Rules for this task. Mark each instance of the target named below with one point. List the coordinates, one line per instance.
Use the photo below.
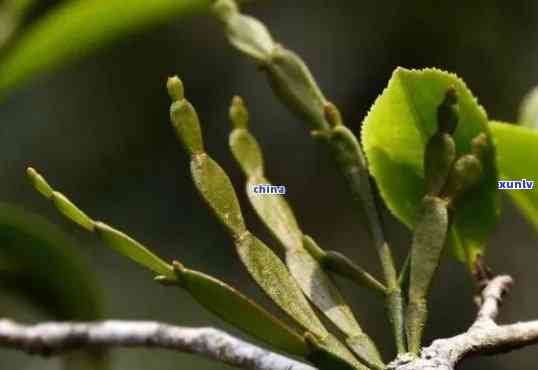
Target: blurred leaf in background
(39, 264)
(74, 29)
(517, 160)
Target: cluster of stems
(447, 177)
(297, 89)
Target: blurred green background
(99, 130)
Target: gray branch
(56, 338)
(483, 337)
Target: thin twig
(492, 296)
(56, 338)
(483, 337)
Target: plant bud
(448, 112)
(239, 113)
(479, 145)
(464, 175)
(175, 88)
(39, 183)
(439, 156)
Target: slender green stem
(404, 272)
(349, 155)
(295, 86)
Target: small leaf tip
(448, 111)
(238, 113)
(175, 88)
(39, 183)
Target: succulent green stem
(278, 216)
(295, 86)
(215, 187)
(428, 241)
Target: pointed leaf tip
(448, 112)
(39, 183)
(175, 88)
(239, 113)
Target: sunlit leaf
(394, 136)
(517, 150)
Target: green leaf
(74, 29)
(236, 309)
(273, 276)
(218, 192)
(117, 240)
(517, 156)
(394, 135)
(125, 245)
(40, 265)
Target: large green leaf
(74, 29)
(517, 149)
(394, 135)
(39, 264)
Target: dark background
(99, 130)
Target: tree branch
(55, 338)
(492, 296)
(483, 337)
